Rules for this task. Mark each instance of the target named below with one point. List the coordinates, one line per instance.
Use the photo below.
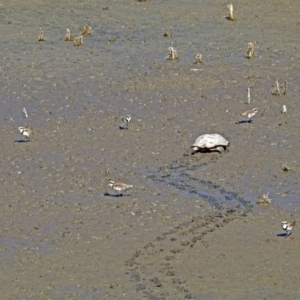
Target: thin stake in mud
(231, 15)
(107, 176)
(107, 179)
(249, 97)
(285, 88)
(250, 50)
(25, 112)
(276, 90)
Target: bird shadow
(106, 194)
(284, 235)
(244, 122)
(121, 127)
(22, 141)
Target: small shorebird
(250, 113)
(126, 120)
(288, 227)
(25, 131)
(120, 187)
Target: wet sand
(190, 227)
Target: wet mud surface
(190, 227)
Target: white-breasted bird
(25, 131)
(126, 120)
(250, 113)
(120, 187)
(288, 227)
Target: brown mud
(190, 227)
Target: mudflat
(189, 228)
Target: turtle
(210, 142)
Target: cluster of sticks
(78, 41)
(172, 55)
(277, 89)
(264, 200)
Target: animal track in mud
(177, 174)
(152, 267)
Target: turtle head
(194, 149)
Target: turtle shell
(210, 141)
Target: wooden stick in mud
(285, 88)
(276, 91)
(250, 50)
(249, 98)
(284, 110)
(25, 112)
(231, 15)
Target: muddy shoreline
(190, 226)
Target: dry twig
(41, 37)
(198, 59)
(172, 54)
(264, 200)
(250, 50)
(231, 15)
